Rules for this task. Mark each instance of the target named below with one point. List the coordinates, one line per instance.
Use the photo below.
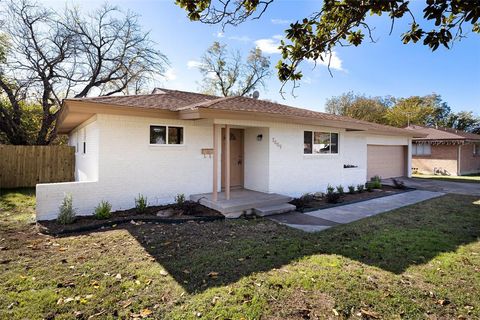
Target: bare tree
(49, 56)
(226, 74)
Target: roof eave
(75, 112)
(205, 113)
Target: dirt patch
(303, 305)
(312, 202)
(160, 214)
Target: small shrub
(141, 203)
(67, 214)
(340, 190)
(332, 197)
(369, 186)
(376, 182)
(360, 188)
(180, 199)
(330, 189)
(397, 184)
(351, 189)
(103, 210)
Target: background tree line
(429, 110)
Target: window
(421, 149)
(166, 135)
(84, 140)
(320, 142)
(476, 149)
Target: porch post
(215, 163)
(227, 162)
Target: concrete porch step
(241, 202)
(273, 209)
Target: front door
(236, 158)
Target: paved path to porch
(323, 219)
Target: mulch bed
(196, 212)
(321, 203)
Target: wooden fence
(25, 166)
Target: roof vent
(158, 91)
(255, 94)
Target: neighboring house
(173, 142)
(445, 151)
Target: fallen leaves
(213, 274)
(78, 299)
(369, 314)
(443, 302)
(145, 313)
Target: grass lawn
(418, 262)
(470, 178)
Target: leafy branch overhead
(344, 23)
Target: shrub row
(67, 214)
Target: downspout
(459, 159)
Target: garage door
(386, 161)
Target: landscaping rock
(167, 213)
(318, 195)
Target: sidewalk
(323, 219)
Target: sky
(386, 67)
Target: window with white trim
(84, 140)
(316, 142)
(166, 135)
(421, 149)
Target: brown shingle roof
(257, 105)
(441, 133)
(174, 100)
(161, 99)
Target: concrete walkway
(467, 188)
(322, 219)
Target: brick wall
(443, 157)
(469, 162)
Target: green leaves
(413, 35)
(343, 22)
(355, 38)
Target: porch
(244, 201)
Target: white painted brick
(120, 163)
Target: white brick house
(172, 142)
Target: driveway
(440, 186)
(323, 219)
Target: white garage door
(386, 161)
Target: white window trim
(415, 149)
(322, 154)
(166, 136)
